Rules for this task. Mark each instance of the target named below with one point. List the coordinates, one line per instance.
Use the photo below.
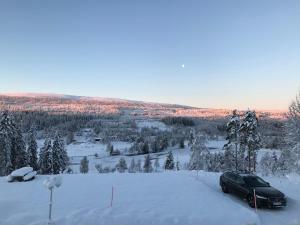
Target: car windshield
(255, 182)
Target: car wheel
(250, 200)
(224, 188)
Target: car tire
(224, 188)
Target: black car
(246, 184)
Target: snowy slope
(158, 198)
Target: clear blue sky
(237, 54)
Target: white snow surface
(21, 172)
(171, 198)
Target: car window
(255, 182)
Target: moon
(182, 65)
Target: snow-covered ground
(170, 198)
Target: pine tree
(122, 165)
(250, 138)
(231, 147)
(169, 164)
(274, 168)
(148, 164)
(84, 165)
(131, 168)
(32, 150)
(45, 158)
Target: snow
(51, 182)
(29, 176)
(156, 198)
(152, 124)
(21, 172)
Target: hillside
(57, 103)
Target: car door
(240, 187)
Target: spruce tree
(250, 138)
(84, 165)
(131, 168)
(232, 155)
(122, 165)
(199, 150)
(32, 150)
(148, 164)
(45, 158)
(169, 164)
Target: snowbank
(159, 198)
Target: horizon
(196, 53)
(45, 94)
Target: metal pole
(50, 207)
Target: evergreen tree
(60, 158)
(45, 158)
(250, 138)
(266, 164)
(231, 147)
(292, 139)
(169, 164)
(84, 165)
(148, 164)
(199, 150)
(32, 150)
(110, 149)
(12, 146)
(122, 165)
(18, 151)
(6, 166)
(138, 166)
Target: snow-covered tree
(45, 158)
(12, 146)
(232, 156)
(250, 138)
(266, 164)
(199, 150)
(148, 164)
(5, 145)
(291, 153)
(131, 168)
(32, 150)
(60, 158)
(138, 166)
(156, 164)
(109, 148)
(169, 163)
(84, 165)
(122, 165)
(18, 151)
(70, 137)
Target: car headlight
(260, 197)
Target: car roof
(242, 174)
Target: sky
(236, 54)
